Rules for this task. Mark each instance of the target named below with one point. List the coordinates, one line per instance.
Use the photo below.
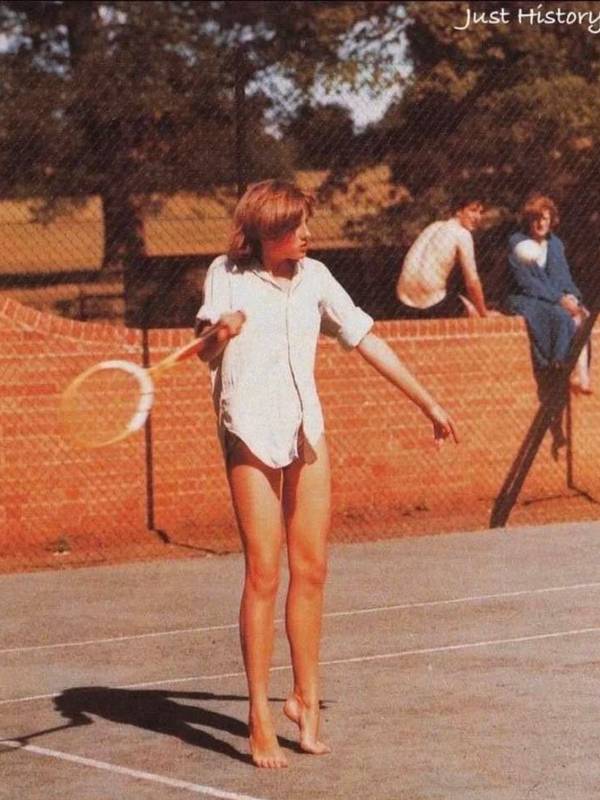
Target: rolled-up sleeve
(216, 295)
(340, 317)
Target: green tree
(322, 135)
(103, 98)
(498, 109)
(126, 100)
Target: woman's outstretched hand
(443, 425)
(380, 355)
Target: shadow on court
(459, 667)
(157, 711)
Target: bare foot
(307, 720)
(264, 747)
(581, 388)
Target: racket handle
(188, 350)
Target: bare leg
(306, 506)
(255, 491)
(469, 307)
(580, 377)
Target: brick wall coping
(27, 318)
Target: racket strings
(101, 406)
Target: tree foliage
(508, 107)
(498, 110)
(127, 100)
(323, 136)
(105, 99)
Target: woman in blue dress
(546, 295)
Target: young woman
(271, 301)
(546, 295)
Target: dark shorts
(450, 306)
(230, 441)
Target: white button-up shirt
(264, 387)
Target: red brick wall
(387, 475)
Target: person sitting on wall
(423, 288)
(546, 295)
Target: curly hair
(535, 205)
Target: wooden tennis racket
(112, 399)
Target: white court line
(453, 647)
(196, 788)
(331, 614)
(447, 648)
(117, 639)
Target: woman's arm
(556, 248)
(380, 355)
(530, 282)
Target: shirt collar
(258, 269)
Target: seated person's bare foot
(559, 440)
(307, 720)
(580, 387)
(264, 747)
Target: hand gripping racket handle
(222, 330)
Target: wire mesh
(129, 131)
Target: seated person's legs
(448, 308)
(539, 329)
(580, 377)
(562, 332)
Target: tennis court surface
(463, 667)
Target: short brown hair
(267, 210)
(535, 205)
(462, 200)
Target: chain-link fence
(129, 130)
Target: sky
(365, 108)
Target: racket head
(106, 403)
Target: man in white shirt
(422, 288)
